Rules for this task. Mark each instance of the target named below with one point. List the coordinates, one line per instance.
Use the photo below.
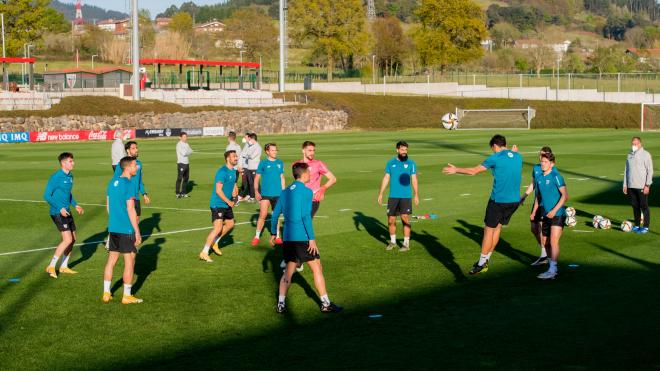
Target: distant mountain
(90, 12)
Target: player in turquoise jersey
(271, 175)
(222, 215)
(554, 195)
(401, 173)
(299, 242)
(58, 195)
(123, 230)
(537, 217)
(506, 167)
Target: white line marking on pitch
(427, 199)
(579, 179)
(345, 209)
(103, 241)
(365, 171)
(603, 176)
(465, 194)
(144, 207)
(581, 231)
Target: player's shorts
(221, 213)
(398, 206)
(315, 207)
(64, 223)
(538, 217)
(557, 221)
(122, 243)
(272, 200)
(296, 251)
(138, 208)
(499, 213)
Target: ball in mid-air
(450, 121)
(626, 226)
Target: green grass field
(598, 315)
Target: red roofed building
(643, 55)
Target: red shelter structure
(7, 60)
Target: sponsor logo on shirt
(116, 183)
(405, 166)
(292, 187)
(510, 155)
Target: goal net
(650, 117)
(507, 118)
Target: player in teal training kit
(59, 197)
(536, 217)
(402, 172)
(271, 175)
(506, 167)
(221, 204)
(554, 195)
(299, 242)
(123, 230)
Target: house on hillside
(213, 26)
(643, 55)
(559, 48)
(118, 27)
(78, 78)
(162, 23)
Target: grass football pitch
(410, 310)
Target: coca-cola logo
(98, 135)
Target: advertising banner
(157, 133)
(193, 132)
(214, 131)
(77, 135)
(17, 137)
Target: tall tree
(26, 21)
(389, 42)
(182, 23)
(335, 28)
(257, 31)
(450, 32)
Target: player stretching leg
(403, 173)
(554, 195)
(123, 229)
(59, 197)
(299, 243)
(222, 215)
(506, 167)
(271, 174)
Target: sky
(154, 6)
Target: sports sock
(325, 299)
(406, 241)
(483, 259)
(488, 255)
(543, 252)
(392, 238)
(65, 262)
(281, 299)
(106, 286)
(127, 290)
(553, 265)
(206, 249)
(257, 234)
(53, 261)
(217, 240)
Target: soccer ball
(450, 121)
(571, 221)
(570, 211)
(626, 226)
(605, 223)
(596, 221)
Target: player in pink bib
(317, 168)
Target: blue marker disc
(14, 280)
(573, 265)
(375, 315)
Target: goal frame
(641, 123)
(531, 113)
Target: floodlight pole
(136, 52)
(4, 53)
(282, 44)
(93, 60)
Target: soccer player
(117, 151)
(136, 181)
(183, 150)
(637, 180)
(59, 197)
(123, 229)
(271, 174)
(222, 215)
(317, 168)
(299, 243)
(506, 167)
(233, 146)
(552, 189)
(403, 173)
(536, 217)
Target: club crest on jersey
(116, 183)
(405, 166)
(510, 154)
(279, 166)
(547, 181)
(293, 186)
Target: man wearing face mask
(637, 180)
(403, 174)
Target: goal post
(650, 117)
(495, 118)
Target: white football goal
(496, 118)
(650, 120)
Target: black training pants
(640, 204)
(247, 187)
(183, 173)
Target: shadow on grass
(190, 186)
(475, 233)
(146, 262)
(271, 263)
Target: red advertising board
(77, 135)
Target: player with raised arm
(506, 167)
(402, 172)
(58, 195)
(299, 242)
(271, 175)
(123, 229)
(222, 215)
